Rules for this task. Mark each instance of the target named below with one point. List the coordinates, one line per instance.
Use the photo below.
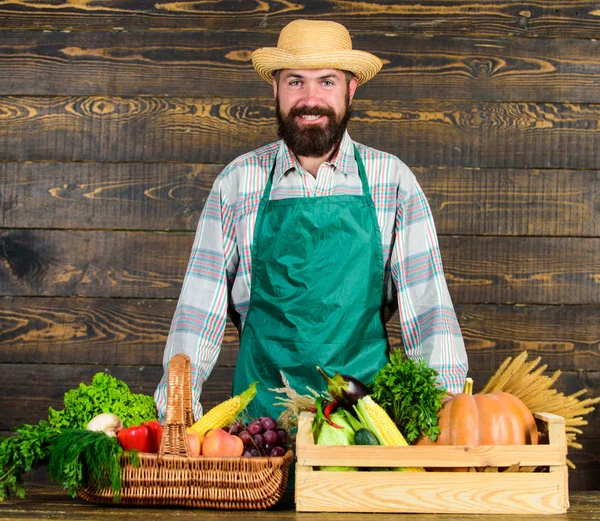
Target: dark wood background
(116, 116)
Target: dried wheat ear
(527, 382)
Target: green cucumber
(365, 437)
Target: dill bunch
(81, 458)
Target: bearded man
(312, 242)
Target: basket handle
(179, 408)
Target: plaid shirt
(218, 275)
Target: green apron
(316, 295)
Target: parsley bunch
(407, 391)
(28, 449)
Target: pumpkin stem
(468, 388)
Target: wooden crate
(519, 490)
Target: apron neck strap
(361, 172)
(267, 192)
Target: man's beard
(312, 140)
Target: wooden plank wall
(115, 117)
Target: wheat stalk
(534, 389)
(293, 403)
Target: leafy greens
(105, 394)
(32, 446)
(408, 392)
(28, 449)
(84, 458)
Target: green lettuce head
(329, 435)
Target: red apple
(219, 443)
(194, 443)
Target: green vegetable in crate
(330, 435)
(365, 437)
(408, 392)
(379, 423)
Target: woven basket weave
(173, 477)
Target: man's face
(313, 108)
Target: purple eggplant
(344, 389)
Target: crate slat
(449, 456)
(436, 492)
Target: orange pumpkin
(485, 419)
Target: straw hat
(313, 44)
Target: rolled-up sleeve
(428, 321)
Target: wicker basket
(173, 477)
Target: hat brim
(270, 59)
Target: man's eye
(295, 83)
(327, 83)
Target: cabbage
(329, 435)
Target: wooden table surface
(44, 501)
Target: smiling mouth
(310, 118)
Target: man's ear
(352, 88)
(274, 87)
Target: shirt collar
(344, 159)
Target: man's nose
(311, 95)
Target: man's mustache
(312, 111)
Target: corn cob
(225, 413)
(383, 426)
